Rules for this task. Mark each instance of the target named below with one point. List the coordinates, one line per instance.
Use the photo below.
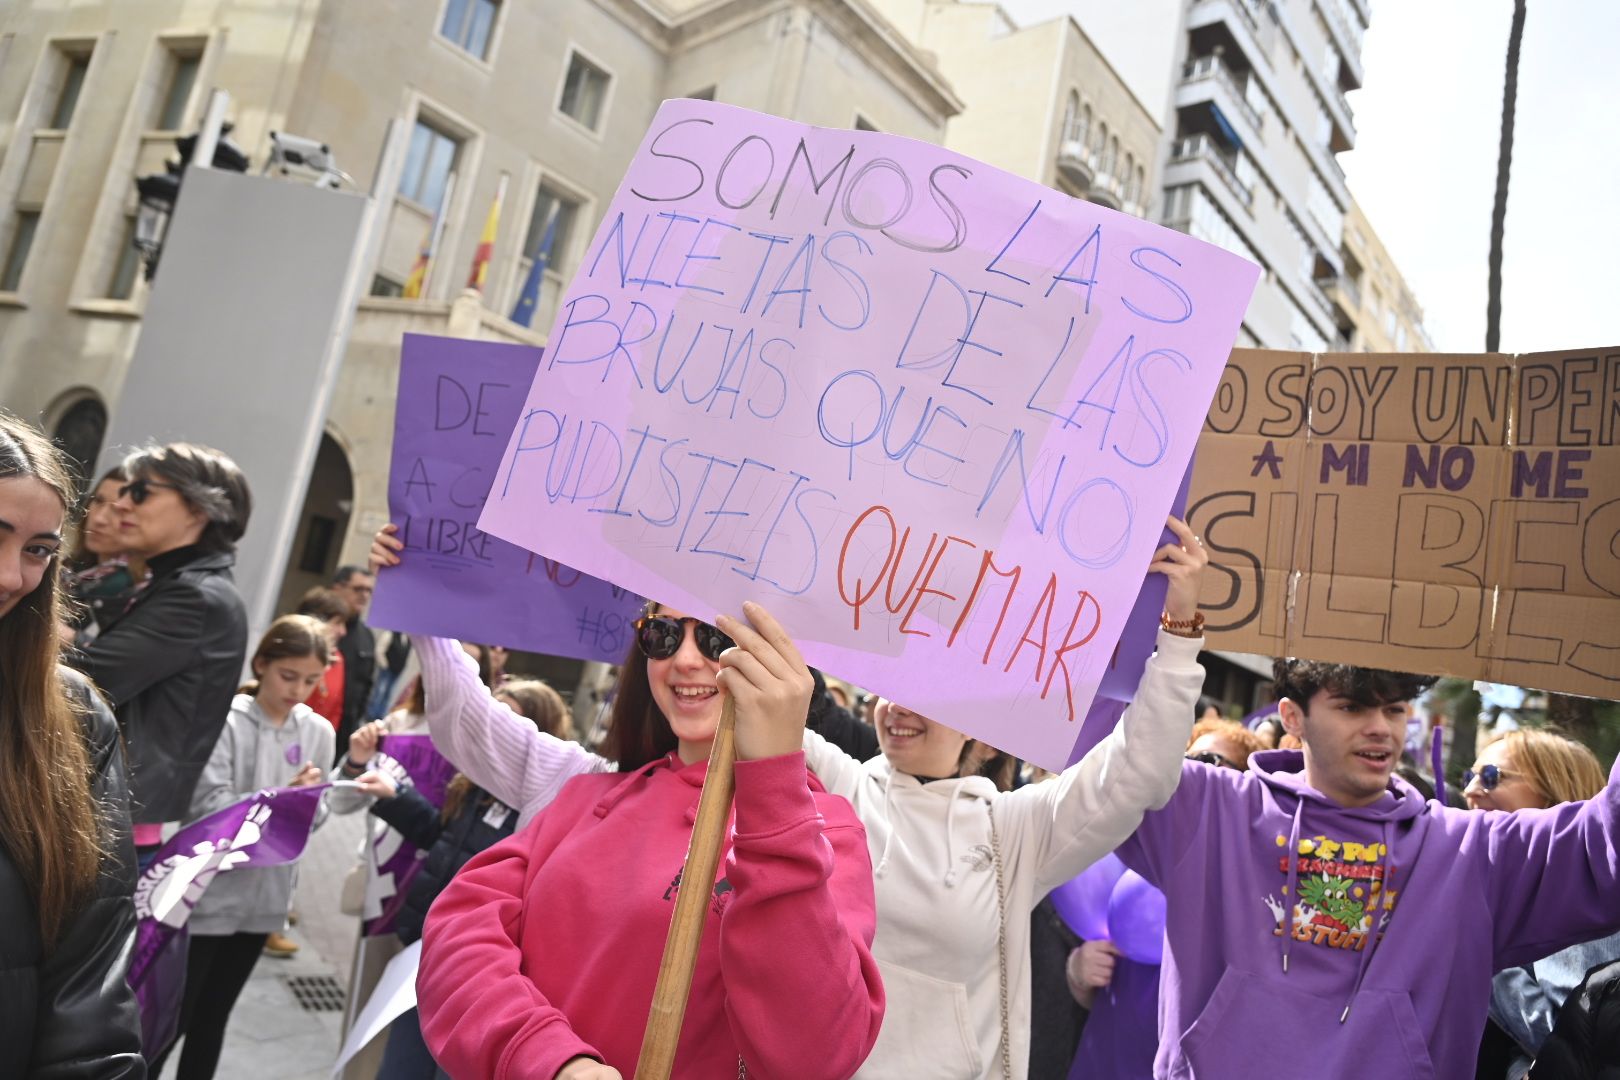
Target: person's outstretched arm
(1552, 876)
(1069, 822)
(1063, 826)
(500, 751)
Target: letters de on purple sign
(458, 402)
(930, 414)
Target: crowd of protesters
(882, 908)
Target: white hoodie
(934, 871)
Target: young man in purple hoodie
(1325, 921)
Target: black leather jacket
(71, 1013)
(1585, 1041)
(170, 664)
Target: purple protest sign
(266, 829)
(412, 760)
(930, 414)
(457, 404)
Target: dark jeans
(217, 968)
(407, 1056)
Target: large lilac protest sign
(410, 760)
(930, 414)
(266, 829)
(458, 401)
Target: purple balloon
(1136, 919)
(1083, 901)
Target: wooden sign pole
(691, 905)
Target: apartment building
(1373, 306)
(1257, 116)
(1039, 100)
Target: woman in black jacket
(472, 819)
(67, 869)
(171, 661)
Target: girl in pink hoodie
(540, 958)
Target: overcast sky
(1424, 167)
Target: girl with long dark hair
(67, 868)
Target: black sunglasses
(1489, 776)
(660, 637)
(1210, 757)
(139, 491)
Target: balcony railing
(1346, 286)
(1077, 160)
(1210, 67)
(1202, 147)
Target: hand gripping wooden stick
(691, 905)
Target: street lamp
(157, 195)
(159, 192)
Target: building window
(468, 23)
(549, 202)
(863, 124)
(427, 165)
(705, 94)
(584, 91)
(1131, 191)
(125, 266)
(182, 77)
(79, 434)
(22, 238)
(382, 285)
(68, 98)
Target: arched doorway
(80, 432)
(322, 524)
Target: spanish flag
(486, 243)
(417, 278)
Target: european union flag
(529, 298)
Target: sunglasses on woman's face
(1210, 757)
(660, 637)
(1489, 776)
(138, 491)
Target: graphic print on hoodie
(1359, 939)
(1340, 888)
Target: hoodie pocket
(1380, 1037)
(927, 1030)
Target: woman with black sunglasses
(171, 661)
(589, 888)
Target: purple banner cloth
(412, 760)
(266, 829)
(458, 403)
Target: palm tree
(1504, 161)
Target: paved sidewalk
(272, 1034)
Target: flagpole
(438, 234)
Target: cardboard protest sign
(458, 401)
(1436, 513)
(270, 828)
(928, 413)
